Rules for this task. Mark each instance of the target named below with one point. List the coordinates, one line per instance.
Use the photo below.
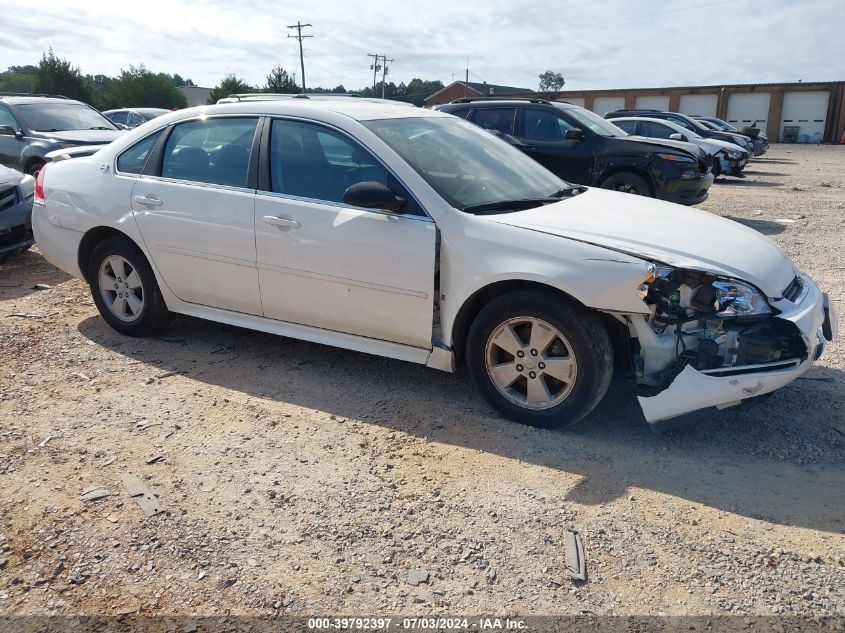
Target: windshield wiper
(568, 191)
(53, 129)
(509, 205)
(101, 128)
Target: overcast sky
(594, 44)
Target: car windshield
(467, 165)
(149, 115)
(721, 125)
(594, 122)
(677, 129)
(56, 117)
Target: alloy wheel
(121, 288)
(531, 363)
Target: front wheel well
(472, 306)
(31, 162)
(89, 243)
(621, 169)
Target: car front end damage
(16, 194)
(711, 341)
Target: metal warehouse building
(817, 109)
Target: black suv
(581, 147)
(689, 123)
(33, 125)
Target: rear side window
(629, 126)
(656, 130)
(542, 125)
(213, 151)
(499, 119)
(118, 117)
(132, 161)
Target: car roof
(355, 108)
(28, 99)
(493, 102)
(136, 110)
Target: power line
(299, 36)
(375, 66)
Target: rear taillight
(39, 187)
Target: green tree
(140, 88)
(279, 81)
(230, 84)
(98, 84)
(18, 79)
(56, 76)
(551, 81)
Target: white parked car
(728, 159)
(416, 235)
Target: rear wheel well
(472, 306)
(89, 243)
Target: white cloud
(603, 43)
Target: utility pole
(376, 67)
(384, 73)
(299, 36)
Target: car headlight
(684, 294)
(737, 298)
(27, 186)
(732, 154)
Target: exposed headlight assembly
(680, 294)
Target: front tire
(34, 167)
(539, 359)
(628, 182)
(125, 290)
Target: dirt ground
(302, 479)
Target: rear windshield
(56, 117)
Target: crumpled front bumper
(693, 390)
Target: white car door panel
(202, 241)
(197, 216)
(346, 269)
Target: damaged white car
(415, 235)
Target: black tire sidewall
(586, 334)
(640, 183)
(35, 167)
(154, 315)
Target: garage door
(807, 110)
(655, 102)
(603, 105)
(579, 101)
(701, 105)
(745, 108)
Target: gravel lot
(303, 479)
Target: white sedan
(416, 235)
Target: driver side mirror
(8, 130)
(373, 195)
(574, 134)
(677, 136)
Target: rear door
(544, 134)
(327, 264)
(195, 209)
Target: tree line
(139, 87)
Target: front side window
(6, 118)
(542, 125)
(683, 123)
(585, 119)
(132, 161)
(213, 151)
(497, 119)
(311, 161)
(467, 166)
(57, 117)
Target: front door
(544, 134)
(196, 211)
(330, 265)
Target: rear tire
(125, 289)
(559, 365)
(628, 182)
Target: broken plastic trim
(576, 565)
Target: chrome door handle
(282, 222)
(155, 202)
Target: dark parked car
(16, 195)
(133, 117)
(33, 125)
(689, 123)
(758, 137)
(582, 148)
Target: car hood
(646, 144)
(84, 137)
(9, 176)
(663, 232)
(714, 145)
(692, 148)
